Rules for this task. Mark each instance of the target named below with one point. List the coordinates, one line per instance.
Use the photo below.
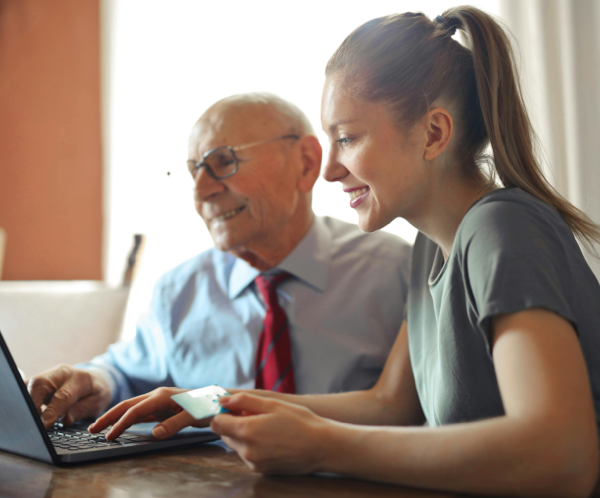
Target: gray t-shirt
(511, 252)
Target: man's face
(254, 205)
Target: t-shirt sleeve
(513, 258)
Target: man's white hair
(291, 115)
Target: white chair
(46, 323)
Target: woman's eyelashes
(343, 141)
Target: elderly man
(286, 301)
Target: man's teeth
(228, 214)
(358, 192)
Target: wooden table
(208, 470)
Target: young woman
(500, 352)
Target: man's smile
(227, 215)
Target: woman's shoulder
(511, 216)
(508, 202)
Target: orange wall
(50, 149)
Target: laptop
(23, 433)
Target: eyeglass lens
(220, 161)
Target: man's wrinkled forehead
(233, 124)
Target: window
(167, 62)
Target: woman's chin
(373, 223)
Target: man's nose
(334, 171)
(206, 186)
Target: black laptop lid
(21, 428)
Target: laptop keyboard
(78, 439)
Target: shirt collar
(308, 261)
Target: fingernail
(224, 400)
(159, 431)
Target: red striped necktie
(274, 370)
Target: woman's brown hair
(407, 62)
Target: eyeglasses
(222, 162)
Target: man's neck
(269, 252)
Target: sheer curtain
(559, 44)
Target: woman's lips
(357, 195)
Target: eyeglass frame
(231, 149)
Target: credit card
(203, 402)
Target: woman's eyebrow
(333, 126)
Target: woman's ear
(439, 132)
(311, 155)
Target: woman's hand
(272, 436)
(154, 406)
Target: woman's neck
(448, 205)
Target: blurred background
(97, 99)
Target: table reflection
(206, 470)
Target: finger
(41, 391)
(173, 425)
(149, 418)
(250, 403)
(75, 388)
(162, 416)
(235, 445)
(202, 423)
(86, 407)
(43, 386)
(115, 413)
(241, 448)
(228, 425)
(139, 412)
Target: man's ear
(311, 155)
(440, 128)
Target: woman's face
(380, 166)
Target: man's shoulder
(348, 238)
(208, 264)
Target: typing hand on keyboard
(77, 439)
(154, 406)
(68, 392)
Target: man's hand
(154, 406)
(68, 391)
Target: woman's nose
(334, 171)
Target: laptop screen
(20, 426)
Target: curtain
(559, 51)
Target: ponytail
(509, 129)
(408, 61)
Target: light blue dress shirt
(344, 303)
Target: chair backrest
(2, 247)
(47, 323)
